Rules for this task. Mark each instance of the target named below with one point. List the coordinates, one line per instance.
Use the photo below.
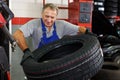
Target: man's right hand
(27, 54)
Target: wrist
(26, 50)
(87, 31)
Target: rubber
(71, 58)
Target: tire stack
(111, 8)
(4, 64)
(118, 7)
(110, 44)
(117, 27)
(99, 5)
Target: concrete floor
(16, 70)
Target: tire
(111, 39)
(117, 59)
(111, 48)
(117, 25)
(71, 58)
(112, 53)
(111, 10)
(99, 0)
(4, 64)
(109, 71)
(111, 4)
(112, 1)
(3, 59)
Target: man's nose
(49, 19)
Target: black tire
(119, 9)
(3, 59)
(112, 53)
(111, 9)
(117, 59)
(4, 64)
(117, 25)
(109, 71)
(99, 0)
(71, 58)
(111, 4)
(110, 14)
(111, 39)
(112, 1)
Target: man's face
(49, 17)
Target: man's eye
(46, 16)
(52, 17)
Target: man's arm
(20, 39)
(84, 30)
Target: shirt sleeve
(28, 28)
(70, 29)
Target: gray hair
(51, 6)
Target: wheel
(4, 65)
(99, 0)
(75, 57)
(112, 1)
(111, 4)
(117, 59)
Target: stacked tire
(117, 27)
(111, 8)
(99, 5)
(4, 65)
(118, 7)
(71, 58)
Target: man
(46, 29)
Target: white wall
(32, 8)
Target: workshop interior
(99, 58)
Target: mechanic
(46, 29)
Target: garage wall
(32, 8)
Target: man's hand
(82, 29)
(90, 33)
(27, 54)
